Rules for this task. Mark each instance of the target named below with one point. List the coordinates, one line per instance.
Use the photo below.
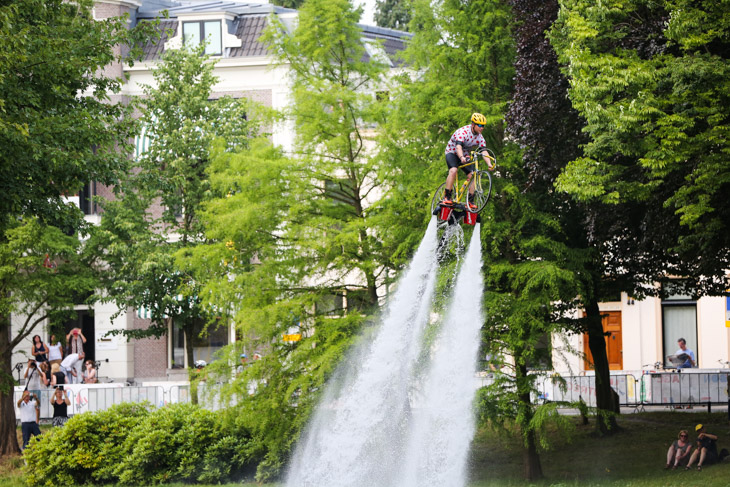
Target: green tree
(58, 131)
(532, 280)
(294, 240)
(394, 14)
(542, 120)
(471, 72)
(651, 81)
(158, 216)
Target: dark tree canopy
(651, 81)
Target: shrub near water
(131, 444)
(168, 445)
(75, 453)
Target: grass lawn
(633, 457)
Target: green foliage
(131, 444)
(394, 14)
(42, 273)
(167, 446)
(158, 218)
(58, 128)
(85, 449)
(654, 101)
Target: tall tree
(159, 213)
(58, 131)
(394, 14)
(533, 278)
(549, 130)
(294, 240)
(651, 81)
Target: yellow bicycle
(463, 201)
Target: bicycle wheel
(482, 191)
(438, 196)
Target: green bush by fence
(134, 444)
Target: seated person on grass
(706, 449)
(678, 453)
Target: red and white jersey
(467, 138)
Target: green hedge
(134, 444)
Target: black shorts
(452, 160)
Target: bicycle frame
(460, 191)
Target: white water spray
(364, 432)
(356, 435)
(444, 423)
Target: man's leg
(451, 178)
(35, 430)
(703, 453)
(25, 428)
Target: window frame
(202, 37)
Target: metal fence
(577, 387)
(686, 388)
(652, 389)
(84, 398)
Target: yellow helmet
(478, 118)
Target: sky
(368, 11)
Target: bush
(131, 444)
(168, 445)
(77, 452)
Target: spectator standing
(39, 349)
(75, 340)
(690, 362)
(60, 403)
(71, 365)
(89, 374)
(45, 373)
(33, 378)
(58, 378)
(29, 411)
(55, 351)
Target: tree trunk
(189, 336)
(605, 402)
(8, 436)
(530, 455)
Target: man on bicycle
(462, 141)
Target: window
(542, 354)
(208, 31)
(330, 305)
(85, 199)
(679, 319)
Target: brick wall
(150, 354)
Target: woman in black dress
(60, 403)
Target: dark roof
(153, 50)
(250, 21)
(248, 29)
(154, 8)
(393, 41)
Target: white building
(244, 69)
(644, 332)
